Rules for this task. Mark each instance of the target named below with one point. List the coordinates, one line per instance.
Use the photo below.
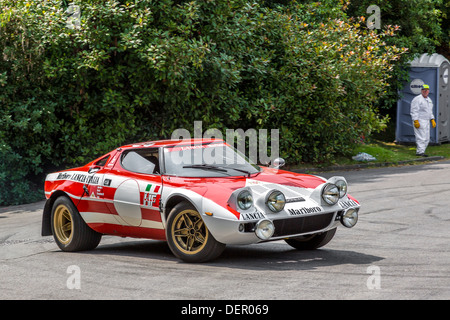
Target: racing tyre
(188, 237)
(311, 242)
(70, 231)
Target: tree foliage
(419, 21)
(137, 70)
(422, 27)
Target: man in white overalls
(422, 116)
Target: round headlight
(264, 229)
(350, 218)
(342, 187)
(330, 194)
(245, 200)
(276, 201)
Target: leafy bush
(423, 27)
(137, 70)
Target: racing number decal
(126, 202)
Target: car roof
(168, 143)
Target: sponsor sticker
(306, 210)
(252, 216)
(79, 177)
(348, 204)
(151, 196)
(297, 199)
(195, 146)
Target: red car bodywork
(116, 201)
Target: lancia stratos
(199, 195)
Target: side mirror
(278, 163)
(94, 169)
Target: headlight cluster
(264, 229)
(245, 200)
(331, 193)
(350, 217)
(275, 200)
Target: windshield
(212, 159)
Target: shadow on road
(268, 256)
(286, 258)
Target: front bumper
(305, 212)
(243, 232)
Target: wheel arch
(46, 229)
(173, 201)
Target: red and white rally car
(199, 195)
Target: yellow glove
(416, 124)
(433, 123)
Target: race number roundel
(127, 202)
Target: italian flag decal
(149, 188)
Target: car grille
(285, 227)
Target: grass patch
(384, 152)
(388, 152)
(391, 152)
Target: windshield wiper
(204, 166)
(217, 168)
(248, 173)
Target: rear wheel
(70, 231)
(188, 237)
(311, 242)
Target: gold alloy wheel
(63, 226)
(189, 233)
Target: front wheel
(311, 242)
(188, 237)
(70, 231)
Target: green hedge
(137, 70)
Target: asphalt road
(400, 249)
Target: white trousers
(422, 135)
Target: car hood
(219, 189)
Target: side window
(141, 161)
(102, 162)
